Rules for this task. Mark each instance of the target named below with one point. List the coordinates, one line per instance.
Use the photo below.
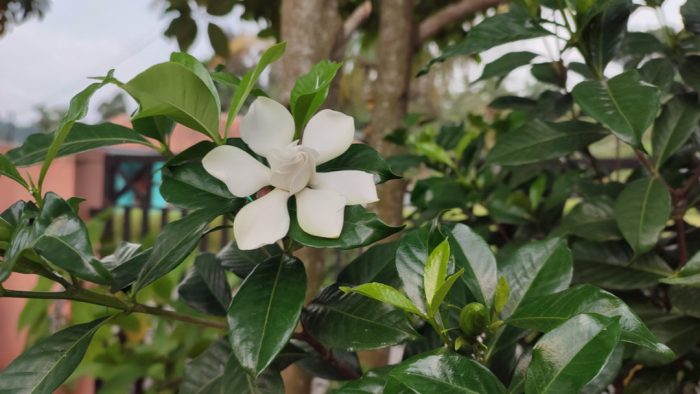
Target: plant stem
(90, 297)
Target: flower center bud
(292, 167)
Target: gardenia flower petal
(263, 221)
(241, 172)
(267, 125)
(330, 133)
(292, 167)
(356, 186)
(320, 212)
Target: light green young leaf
(500, 299)
(435, 271)
(384, 293)
(442, 291)
(310, 91)
(249, 79)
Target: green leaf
(310, 91)
(190, 186)
(174, 90)
(505, 64)
(157, 127)
(658, 72)
(242, 262)
(206, 288)
(204, 373)
(625, 104)
(546, 312)
(680, 333)
(493, 31)
(250, 78)
(435, 272)
(351, 321)
(265, 311)
(473, 254)
(689, 275)
(549, 73)
(442, 291)
(443, 373)
(361, 157)
(690, 11)
(538, 268)
(593, 219)
(602, 37)
(384, 293)
(607, 374)
(571, 355)
(372, 382)
(376, 264)
(689, 70)
(62, 240)
(175, 242)
(82, 137)
(77, 110)
(22, 235)
(641, 211)
(191, 63)
(411, 255)
(500, 298)
(269, 381)
(126, 271)
(677, 122)
(361, 227)
(218, 40)
(46, 365)
(538, 141)
(9, 170)
(612, 265)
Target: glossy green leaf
(505, 64)
(9, 170)
(612, 265)
(571, 355)
(9, 219)
(22, 236)
(411, 255)
(680, 333)
(607, 374)
(493, 31)
(641, 211)
(376, 264)
(361, 227)
(689, 275)
(82, 137)
(77, 110)
(384, 293)
(690, 11)
(538, 268)
(546, 312)
(592, 219)
(126, 271)
(352, 321)
(265, 311)
(372, 382)
(218, 40)
(251, 78)
(175, 242)
(204, 373)
(46, 365)
(625, 104)
(191, 63)
(602, 35)
(269, 381)
(538, 141)
(361, 157)
(242, 262)
(443, 290)
(206, 288)
(473, 254)
(658, 72)
(677, 122)
(435, 271)
(310, 91)
(443, 373)
(190, 186)
(173, 90)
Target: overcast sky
(45, 62)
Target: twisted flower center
(293, 167)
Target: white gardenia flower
(321, 197)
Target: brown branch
(451, 14)
(327, 355)
(356, 19)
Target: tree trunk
(394, 53)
